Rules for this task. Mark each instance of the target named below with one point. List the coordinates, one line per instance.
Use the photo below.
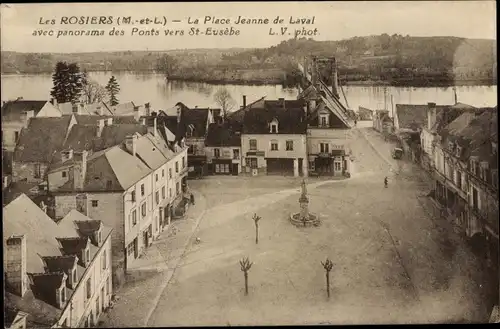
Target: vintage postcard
(249, 163)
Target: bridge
(330, 97)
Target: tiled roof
(42, 138)
(123, 109)
(81, 137)
(411, 116)
(60, 263)
(124, 119)
(96, 108)
(22, 216)
(86, 119)
(334, 120)
(221, 135)
(198, 118)
(290, 120)
(11, 111)
(149, 153)
(116, 134)
(239, 115)
(127, 169)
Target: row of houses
(458, 146)
(125, 171)
(266, 137)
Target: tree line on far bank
(71, 85)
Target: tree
(67, 81)
(224, 99)
(92, 91)
(328, 265)
(113, 88)
(168, 65)
(256, 221)
(245, 267)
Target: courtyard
(393, 263)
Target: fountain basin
(312, 220)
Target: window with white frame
(143, 210)
(163, 192)
(222, 168)
(323, 120)
(324, 148)
(253, 144)
(216, 153)
(274, 127)
(157, 197)
(338, 166)
(289, 145)
(274, 145)
(134, 217)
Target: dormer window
(323, 120)
(274, 126)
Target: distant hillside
(393, 59)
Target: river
(153, 88)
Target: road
(392, 262)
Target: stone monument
(304, 217)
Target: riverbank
(277, 77)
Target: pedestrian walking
(386, 181)
(192, 198)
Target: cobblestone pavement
(393, 262)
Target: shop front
(197, 166)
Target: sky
(332, 21)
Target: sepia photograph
(172, 164)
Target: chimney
(154, 126)
(15, 264)
(431, 115)
(131, 144)
(137, 113)
(148, 109)
(79, 169)
(66, 155)
(100, 126)
(335, 79)
(244, 101)
(26, 116)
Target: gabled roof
(150, 153)
(42, 138)
(238, 116)
(12, 110)
(123, 108)
(221, 135)
(334, 120)
(411, 116)
(96, 108)
(67, 108)
(127, 169)
(116, 134)
(87, 119)
(290, 120)
(23, 217)
(195, 117)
